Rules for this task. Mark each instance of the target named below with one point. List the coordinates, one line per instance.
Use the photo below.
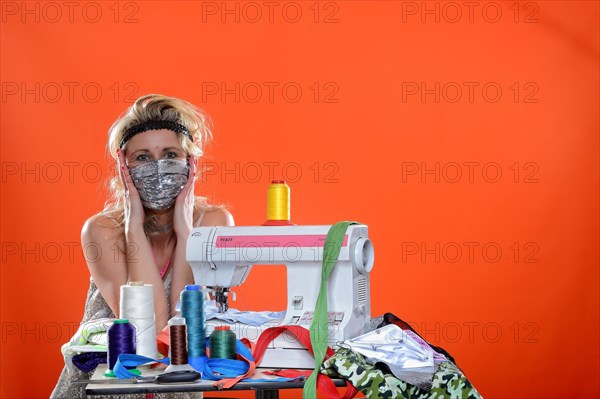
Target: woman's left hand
(183, 216)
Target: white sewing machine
(222, 257)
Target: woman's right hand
(134, 211)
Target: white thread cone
(137, 306)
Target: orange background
(521, 326)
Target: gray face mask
(160, 182)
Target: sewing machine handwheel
(364, 255)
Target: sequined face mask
(160, 182)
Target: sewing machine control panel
(333, 318)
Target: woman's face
(153, 145)
(158, 166)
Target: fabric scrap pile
(395, 362)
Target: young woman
(149, 216)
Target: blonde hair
(157, 107)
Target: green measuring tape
(319, 328)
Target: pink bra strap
(163, 271)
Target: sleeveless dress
(97, 308)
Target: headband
(154, 125)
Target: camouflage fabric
(448, 382)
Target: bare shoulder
(101, 227)
(218, 217)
